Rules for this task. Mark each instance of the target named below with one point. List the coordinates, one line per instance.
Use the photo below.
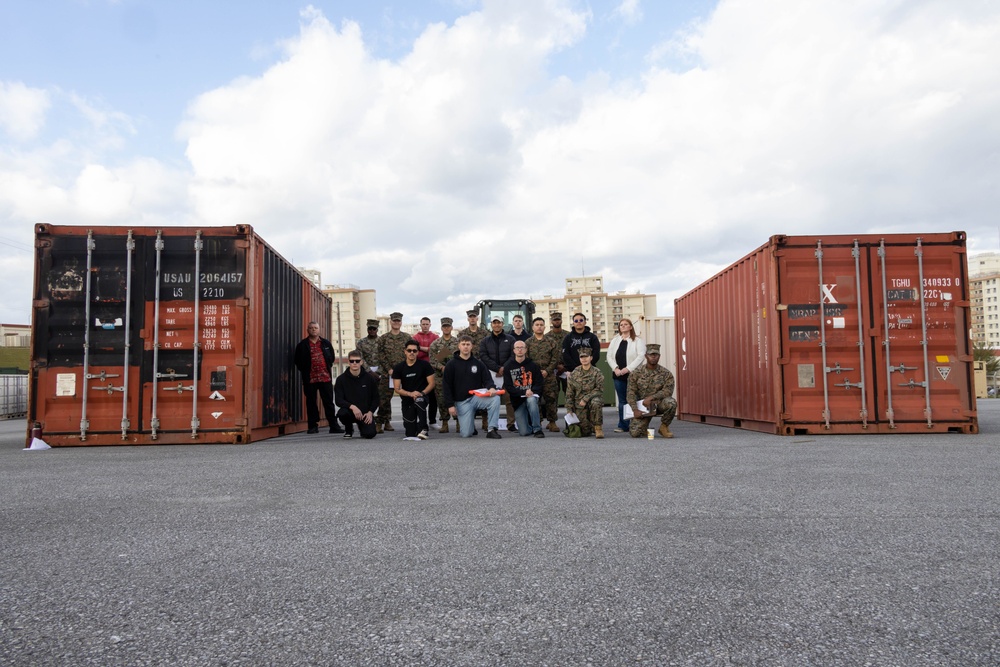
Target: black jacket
(361, 391)
(463, 375)
(496, 350)
(573, 341)
(303, 361)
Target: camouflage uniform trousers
(665, 407)
(385, 394)
(591, 415)
(550, 394)
(439, 392)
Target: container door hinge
(243, 361)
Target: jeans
(621, 389)
(527, 417)
(466, 412)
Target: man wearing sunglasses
(413, 380)
(356, 395)
(579, 336)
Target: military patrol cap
(652, 348)
(373, 324)
(396, 317)
(446, 321)
(471, 313)
(555, 316)
(585, 351)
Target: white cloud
(466, 168)
(22, 110)
(629, 11)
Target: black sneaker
(314, 429)
(493, 434)
(349, 434)
(336, 429)
(538, 434)
(512, 427)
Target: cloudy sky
(446, 150)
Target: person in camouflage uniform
(369, 348)
(654, 386)
(558, 334)
(585, 395)
(545, 352)
(474, 331)
(442, 349)
(391, 348)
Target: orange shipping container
(832, 334)
(179, 335)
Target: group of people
(454, 376)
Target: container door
(922, 355)
(823, 334)
(194, 357)
(87, 339)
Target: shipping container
(173, 335)
(663, 332)
(832, 334)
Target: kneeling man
(465, 373)
(356, 394)
(654, 386)
(523, 382)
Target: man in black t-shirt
(413, 380)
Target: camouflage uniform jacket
(390, 350)
(556, 336)
(583, 385)
(450, 346)
(545, 352)
(369, 352)
(656, 382)
(477, 337)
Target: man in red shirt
(314, 359)
(424, 338)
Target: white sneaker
(422, 435)
(412, 439)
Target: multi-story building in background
(585, 294)
(352, 308)
(984, 298)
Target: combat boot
(599, 432)
(388, 427)
(665, 431)
(444, 426)
(553, 427)
(378, 428)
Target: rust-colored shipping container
(173, 335)
(832, 334)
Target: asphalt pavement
(719, 547)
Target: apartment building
(585, 294)
(352, 308)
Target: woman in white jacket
(626, 353)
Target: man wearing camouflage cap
(391, 351)
(474, 331)
(369, 349)
(440, 352)
(654, 386)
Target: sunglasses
(412, 351)
(578, 321)
(354, 361)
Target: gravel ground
(720, 547)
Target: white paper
(571, 418)
(565, 376)
(498, 381)
(374, 369)
(627, 412)
(502, 423)
(37, 445)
